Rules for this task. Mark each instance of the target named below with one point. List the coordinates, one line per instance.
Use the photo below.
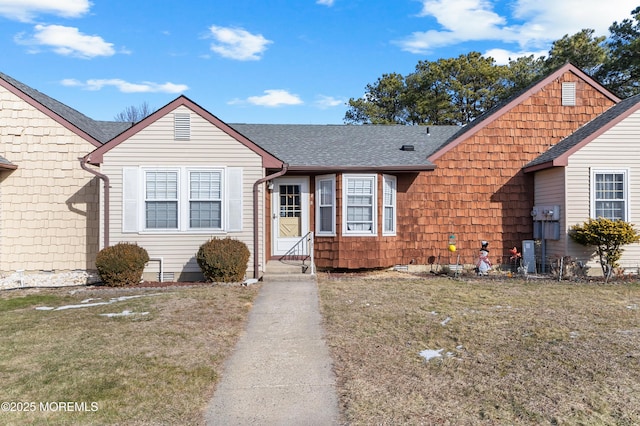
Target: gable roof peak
(493, 114)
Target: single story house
(373, 196)
(594, 172)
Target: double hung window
(161, 200)
(610, 196)
(205, 199)
(326, 205)
(389, 205)
(359, 201)
(182, 199)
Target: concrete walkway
(280, 373)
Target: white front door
(290, 212)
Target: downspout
(105, 179)
(256, 242)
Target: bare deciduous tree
(133, 113)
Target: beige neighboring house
(48, 203)
(593, 172)
(178, 178)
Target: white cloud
(532, 25)
(126, 87)
(325, 2)
(502, 56)
(27, 10)
(271, 98)
(237, 43)
(325, 102)
(67, 41)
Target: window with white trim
(205, 199)
(182, 199)
(609, 194)
(161, 199)
(359, 204)
(389, 205)
(326, 205)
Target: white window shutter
(234, 199)
(130, 178)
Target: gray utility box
(529, 255)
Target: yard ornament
(483, 265)
(452, 243)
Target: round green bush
(121, 264)
(223, 260)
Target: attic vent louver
(569, 94)
(407, 148)
(182, 126)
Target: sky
(265, 61)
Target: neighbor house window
(359, 201)
(389, 206)
(205, 199)
(609, 194)
(161, 199)
(326, 205)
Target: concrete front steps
(280, 271)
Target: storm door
(290, 212)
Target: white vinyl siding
(209, 148)
(550, 191)
(389, 205)
(609, 194)
(614, 150)
(359, 205)
(326, 205)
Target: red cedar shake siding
(356, 252)
(477, 191)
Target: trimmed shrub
(223, 260)
(121, 264)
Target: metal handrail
(298, 253)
